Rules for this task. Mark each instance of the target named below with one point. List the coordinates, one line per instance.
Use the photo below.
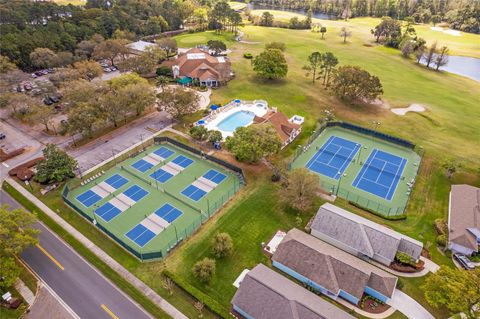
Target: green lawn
(237, 5)
(447, 130)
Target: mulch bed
(372, 306)
(407, 268)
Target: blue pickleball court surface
(135, 192)
(161, 176)
(333, 158)
(164, 152)
(116, 181)
(182, 161)
(194, 193)
(380, 174)
(214, 176)
(107, 211)
(140, 235)
(142, 165)
(88, 198)
(168, 213)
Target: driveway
(105, 146)
(408, 306)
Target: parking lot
(104, 147)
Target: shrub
(164, 71)
(222, 245)
(275, 45)
(214, 136)
(441, 240)
(248, 56)
(404, 258)
(204, 269)
(199, 133)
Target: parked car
(38, 73)
(113, 68)
(54, 99)
(108, 70)
(464, 261)
(47, 101)
(34, 76)
(2, 136)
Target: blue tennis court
(193, 192)
(161, 175)
(380, 174)
(164, 152)
(116, 181)
(135, 192)
(168, 213)
(88, 198)
(182, 161)
(333, 158)
(214, 176)
(142, 165)
(140, 235)
(107, 211)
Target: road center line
(50, 256)
(110, 313)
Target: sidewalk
(429, 266)
(137, 283)
(385, 314)
(46, 305)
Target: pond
(318, 15)
(464, 66)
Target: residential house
(286, 130)
(362, 237)
(265, 294)
(464, 219)
(331, 270)
(196, 65)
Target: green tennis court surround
(139, 202)
(370, 169)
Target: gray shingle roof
(464, 214)
(363, 235)
(331, 267)
(265, 294)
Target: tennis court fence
(177, 234)
(164, 139)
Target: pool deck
(258, 107)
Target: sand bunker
(447, 31)
(411, 108)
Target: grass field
(467, 44)
(448, 130)
(193, 213)
(377, 202)
(237, 5)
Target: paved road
(80, 286)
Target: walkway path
(26, 293)
(137, 283)
(408, 306)
(429, 266)
(385, 314)
(240, 37)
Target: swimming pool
(236, 120)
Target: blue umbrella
(237, 101)
(213, 107)
(201, 122)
